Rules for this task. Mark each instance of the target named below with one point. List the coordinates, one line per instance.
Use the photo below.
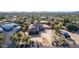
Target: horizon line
(38, 11)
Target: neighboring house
(8, 26)
(43, 22)
(1, 30)
(43, 18)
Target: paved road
(6, 41)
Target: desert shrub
(72, 28)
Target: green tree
(1, 39)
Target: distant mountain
(39, 13)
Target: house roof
(8, 26)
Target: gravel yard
(45, 37)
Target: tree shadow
(33, 36)
(70, 39)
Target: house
(40, 27)
(9, 26)
(35, 29)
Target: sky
(39, 5)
